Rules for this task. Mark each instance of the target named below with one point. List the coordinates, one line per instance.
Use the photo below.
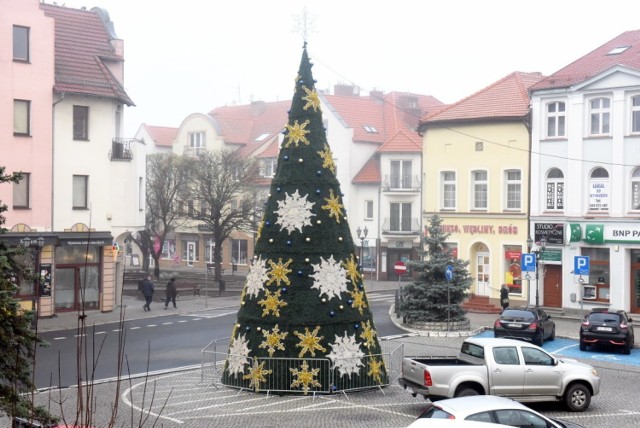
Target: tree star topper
(305, 377)
(294, 212)
(296, 133)
(309, 342)
(272, 303)
(279, 272)
(311, 98)
(256, 374)
(333, 206)
(273, 340)
(327, 159)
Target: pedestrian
(172, 293)
(147, 289)
(504, 296)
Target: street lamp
(38, 244)
(538, 252)
(362, 235)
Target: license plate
(513, 325)
(604, 329)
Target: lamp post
(37, 244)
(538, 252)
(362, 235)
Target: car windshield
(514, 313)
(604, 317)
(434, 412)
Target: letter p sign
(581, 265)
(528, 262)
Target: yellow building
(476, 178)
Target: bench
(188, 287)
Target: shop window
(598, 289)
(512, 268)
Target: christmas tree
(432, 296)
(304, 323)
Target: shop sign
(479, 229)
(552, 232)
(85, 242)
(551, 255)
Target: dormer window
(261, 137)
(370, 129)
(618, 50)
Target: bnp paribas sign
(605, 233)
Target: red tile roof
(162, 135)
(507, 98)
(244, 124)
(596, 62)
(82, 50)
(370, 173)
(402, 142)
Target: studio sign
(552, 232)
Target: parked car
(453, 423)
(604, 326)
(531, 324)
(491, 409)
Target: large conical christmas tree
(304, 323)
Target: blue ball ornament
(267, 223)
(317, 191)
(318, 173)
(247, 328)
(286, 157)
(350, 302)
(288, 243)
(300, 273)
(332, 313)
(356, 326)
(284, 289)
(278, 189)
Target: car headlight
(594, 372)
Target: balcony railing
(401, 183)
(396, 226)
(194, 151)
(121, 149)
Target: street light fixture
(362, 235)
(38, 243)
(538, 252)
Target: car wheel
(583, 346)
(577, 397)
(466, 392)
(553, 333)
(539, 339)
(626, 349)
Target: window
(239, 251)
(506, 355)
(556, 119)
(600, 110)
(80, 123)
(20, 43)
(599, 190)
(21, 191)
(21, 117)
(169, 249)
(555, 189)
(269, 166)
(368, 208)
(635, 189)
(480, 190)
(401, 174)
(635, 114)
(80, 191)
(370, 129)
(512, 268)
(196, 140)
(400, 220)
(513, 188)
(599, 277)
(209, 249)
(448, 189)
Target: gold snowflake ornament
(359, 302)
(375, 369)
(271, 303)
(311, 98)
(327, 159)
(296, 133)
(368, 334)
(273, 340)
(279, 272)
(309, 342)
(256, 375)
(305, 378)
(352, 270)
(333, 206)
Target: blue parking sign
(581, 265)
(528, 262)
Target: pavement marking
(183, 321)
(167, 323)
(100, 332)
(116, 330)
(59, 338)
(134, 328)
(152, 325)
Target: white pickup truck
(506, 367)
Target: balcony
(121, 149)
(401, 183)
(404, 227)
(194, 151)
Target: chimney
(377, 96)
(346, 90)
(257, 108)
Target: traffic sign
(400, 267)
(581, 265)
(528, 262)
(448, 273)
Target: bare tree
(224, 183)
(167, 181)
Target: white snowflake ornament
(346, 355)
(329, 277)
(257, 277)
(238, 355)
(294, 212)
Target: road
(153, 344)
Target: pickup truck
(506, 367)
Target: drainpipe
(53, 149)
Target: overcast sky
(191, 56)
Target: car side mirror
(630, 319)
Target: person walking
(147, 289)
(172, 293)
(504, 296)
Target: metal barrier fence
(300, 375)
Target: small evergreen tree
(431, 297)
